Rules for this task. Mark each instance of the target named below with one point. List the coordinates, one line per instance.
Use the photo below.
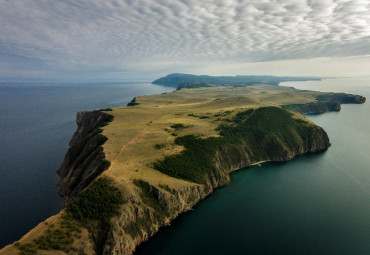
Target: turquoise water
(314, 204)
(36, 123)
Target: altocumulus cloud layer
(113, 37)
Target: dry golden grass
(34, 233)
(136, 130)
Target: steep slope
(166, 153)
(85, 159)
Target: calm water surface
(36, 124)
(315, 204)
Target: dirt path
(136, 138)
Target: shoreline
(187, 194)
(260, 163)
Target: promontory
(131, 170)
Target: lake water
(314, 204)
(36, 123)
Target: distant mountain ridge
(179, 79)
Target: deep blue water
(314, 204)
(36, 124)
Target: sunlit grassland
(136, 132)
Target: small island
(131, 170)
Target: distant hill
(178, 79)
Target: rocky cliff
(164, 154)
(149, 206)
(142, 216)
(85, 158)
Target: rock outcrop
(162, 172)
(133, 102)
(158, 205)
(140, 220)
(141, 216)
(85, 158)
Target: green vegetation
(133, 102)
(325, 102)
(178, 79)
(241, 116)
(267, 132)
(295, 107)
(178, 126)
(193, 85)
(165, 187)
(134, 229)
(100, 201)
(341, 98)
(202, 116)
(159, 146)
(313, 108)
(94, 207)
(27, 249)
(224, 114)
(60, 237)
(193, 163)
(105, 110)
(150, 198)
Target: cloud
(323, 67)
(117, 35)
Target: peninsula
(180, 79)
(131, 170)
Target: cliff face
(85, 159)
(170, 151)
(149, 206)
(158, 205)
(140, 220)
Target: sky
(123, 40)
